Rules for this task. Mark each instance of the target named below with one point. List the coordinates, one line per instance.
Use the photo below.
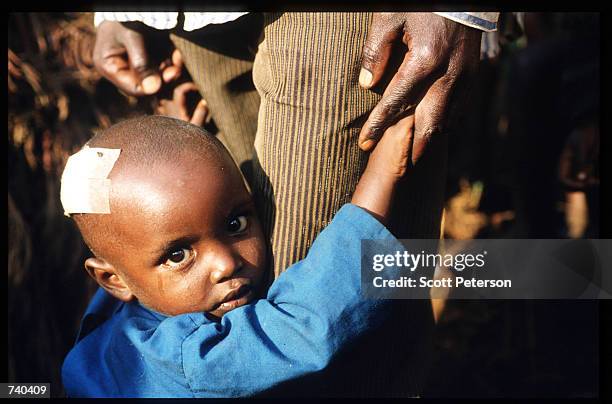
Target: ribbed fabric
(312, 108)
(219, 59)
(306, 166)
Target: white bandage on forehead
(85, 187)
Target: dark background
(534, 110)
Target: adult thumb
(150, 80)
(377, 51)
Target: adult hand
(120, 54)
(179, 106)
(440, 57)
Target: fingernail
(365, 78)
(151, 84)
(367, 144)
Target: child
(180, 258)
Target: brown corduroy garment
(219, 59)
(307, 164)
(312, 109)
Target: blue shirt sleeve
(313, 309)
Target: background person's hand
(439, 57)
(121, 55)
(181, 106)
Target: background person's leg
(219, 58)
(312, 110)
(307, 166)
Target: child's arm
(315, 307)
(312, 310)
(386, 166)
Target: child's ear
(107, 277)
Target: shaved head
(147, 144)
(182, 235)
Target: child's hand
(391, 156)
(386, 166)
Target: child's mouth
(238, 298)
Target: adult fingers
(118, 71)
(174, 70)
(179, 94)
(150, 80)
(111, 59)
(177, 58)
(383, 32)
(441, 107)
(402, 94)
(200, 113)
(171, 73)
(430, 116)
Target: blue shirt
(311, 311)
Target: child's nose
(223, 261)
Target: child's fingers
(396, 144)
(391, 155)
(118, 70)
(402, 130)
(406, 125)
(200, 113)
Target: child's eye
(178, 258)
(237, 224)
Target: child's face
(187, 237)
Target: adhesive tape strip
(85, 187)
